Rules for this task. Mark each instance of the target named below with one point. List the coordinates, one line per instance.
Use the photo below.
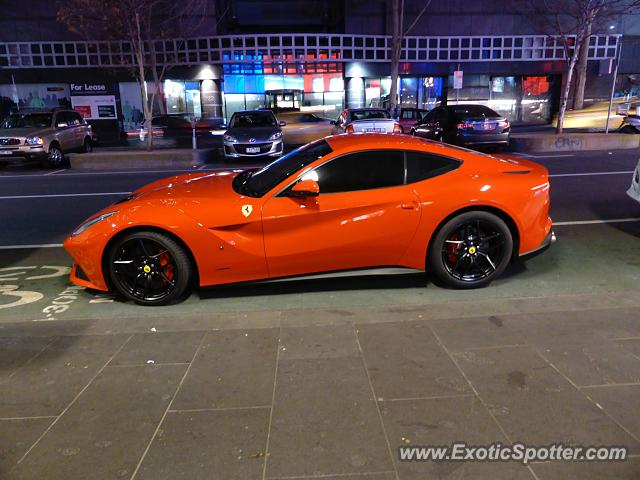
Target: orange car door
(364, 216)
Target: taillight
(397, 128)
(504, 123)
(462, 126)
(349, 129)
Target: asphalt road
(595, 221)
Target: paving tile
(440, 422)
(632, 346)
(46, 385)
(165, 347)
(16, 437)
(325, 421)
(107, 429)
(194, 445)
(593, 363)
(318, 342)
(16, 351)
(621, 402)
(534, 404)
(627, 470)
(406, 361)
(489, 331)
(233, 368)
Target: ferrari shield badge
(246, 210)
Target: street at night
(320, 240)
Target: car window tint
(362, 171)
(369, 114)
(63, 117)
(78, 119)
(466, 111)
(421, 166)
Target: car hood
(208, 198)
(20, 132)
(260, 134)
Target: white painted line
(54, 172)
(589, 174)
(99, 194)
(595, 222)
(562, 155)
(105, 172)
(42, 245)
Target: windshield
(28, 120)
(469, 111)
(252, 120)
(369, 114)
(256, 184)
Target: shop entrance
(283, 100)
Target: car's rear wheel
(629, 129)
(470, 250)
(149, 268)
(54, 157)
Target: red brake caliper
(453, 249)
(167, 267)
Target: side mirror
(305, 188)
(282, 123)
(62, 125)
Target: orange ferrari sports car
(341, 203)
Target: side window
(431, 116)
(78, 120)
(408, 114)
(63, 117)
(362, 171)
(421, 166)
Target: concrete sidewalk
(334, 399)
(546, 141)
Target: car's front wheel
(54, 157)
(149, 268)
(87, 146)
(470, 250)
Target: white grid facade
(294, 48)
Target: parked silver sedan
(253, 134)
(634, 190)
(365, 120)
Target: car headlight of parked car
(34, 141)
(276, 136)
(230, 139)
(91, 222)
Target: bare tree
(397, 38)
(572, 22)
(140, 24)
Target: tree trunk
(396, 49)
(581, 72)
(567, 89)
(157, 80)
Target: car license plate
(487, 126)
(253, 149)
(5, 152)
(373, 130)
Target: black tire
(137, 272)
(54, 158)
(87, 146)
(629, 129)
(470, 250)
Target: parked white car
(634, 190)
(365, 120)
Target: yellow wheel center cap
(472, 250)
(147, 269)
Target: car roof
(364, 109)
(241, 112)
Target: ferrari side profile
(344, 202)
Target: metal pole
(613, 84)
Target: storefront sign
(94, 101)
(457, 79)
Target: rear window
(368, 114)
(468, 111)
(421, 165)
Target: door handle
(409, 205)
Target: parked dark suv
(464, 125)
(44, 135)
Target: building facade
(314, 55)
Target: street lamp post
(613, 83)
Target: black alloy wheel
(149, 268)
(471, 250)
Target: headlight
(93, 221)
(276, 136)
(229, 138)
(34, 141)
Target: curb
(180, 159)
(573, 142)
